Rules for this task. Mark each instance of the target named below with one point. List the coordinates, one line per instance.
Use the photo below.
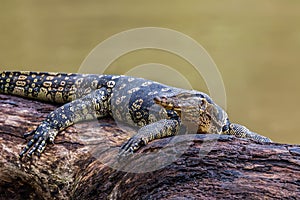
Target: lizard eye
(103, 98)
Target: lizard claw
(25, 135)
(131, 146)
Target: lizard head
(194, 109)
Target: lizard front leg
(91, 106)
(160, 129)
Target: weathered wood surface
(78, 166)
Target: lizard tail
(50, 86)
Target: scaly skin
(158, 110)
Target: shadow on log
(83, 163)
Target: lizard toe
(25, 135)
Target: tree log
(83, 163)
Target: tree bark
(83, 163)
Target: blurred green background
(255, 44)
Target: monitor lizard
(156, 109)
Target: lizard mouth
(166, 103)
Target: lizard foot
(37, 144)
(131, 145)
